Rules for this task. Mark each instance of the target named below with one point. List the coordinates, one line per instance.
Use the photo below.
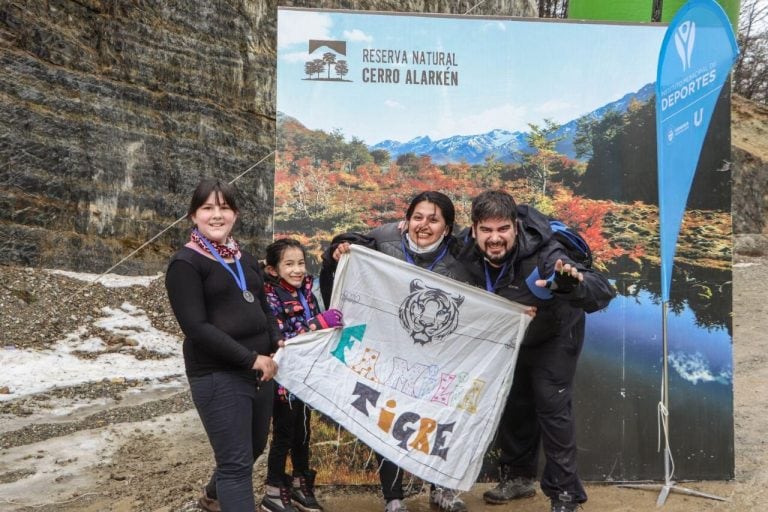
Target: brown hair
(204, 190)
(493, 204)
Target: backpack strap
(537, 291)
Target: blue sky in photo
(511, 72)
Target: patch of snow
(108, 280)
(27, 372)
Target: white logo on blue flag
(684, 38)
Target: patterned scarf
(229, 249)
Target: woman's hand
(266, 365)
(340, 249)
(531, 311)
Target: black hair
(439, 199)
(204, 190)
(276, 249)
(493, 204)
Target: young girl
(217, 294)
(289, 293)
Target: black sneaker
(277, 499)
(564, 503)
(303, 493)
(510, 489)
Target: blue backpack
(575, 246)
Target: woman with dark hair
(425, 239)
(217, 294)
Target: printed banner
(421, 370)
(373, 108)
(696, 56)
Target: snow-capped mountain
(469, 148)
(502, 144)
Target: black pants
(290, 434)
(391, 478)
(539, 409)
(235, 414)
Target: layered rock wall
(749, 138)
(112, 110)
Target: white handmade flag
(421, 370)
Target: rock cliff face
(749, 147)
(113, 109)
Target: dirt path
(150, 454)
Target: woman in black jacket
(425, 239)
(217, 294)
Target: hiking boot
(303, 493)
(510, 489)
(208, 504)
(564, 503)
(395, 506)
(277, 499)
(446, 500)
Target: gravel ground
(144, 450)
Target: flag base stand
(669, 484)
(667, 487)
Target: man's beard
(496, 260)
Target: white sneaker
(447, 500)
(395, 506)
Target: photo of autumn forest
(348, 162)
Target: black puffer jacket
(390, 240)
(559, 315)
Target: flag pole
(669, 485)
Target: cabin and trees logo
(328, 67)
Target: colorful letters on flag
(421, 370)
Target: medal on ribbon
(239, 277)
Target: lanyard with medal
(304, 304)
(491, 286)
(409, 258)
(239, 277)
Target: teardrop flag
(696, 56)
